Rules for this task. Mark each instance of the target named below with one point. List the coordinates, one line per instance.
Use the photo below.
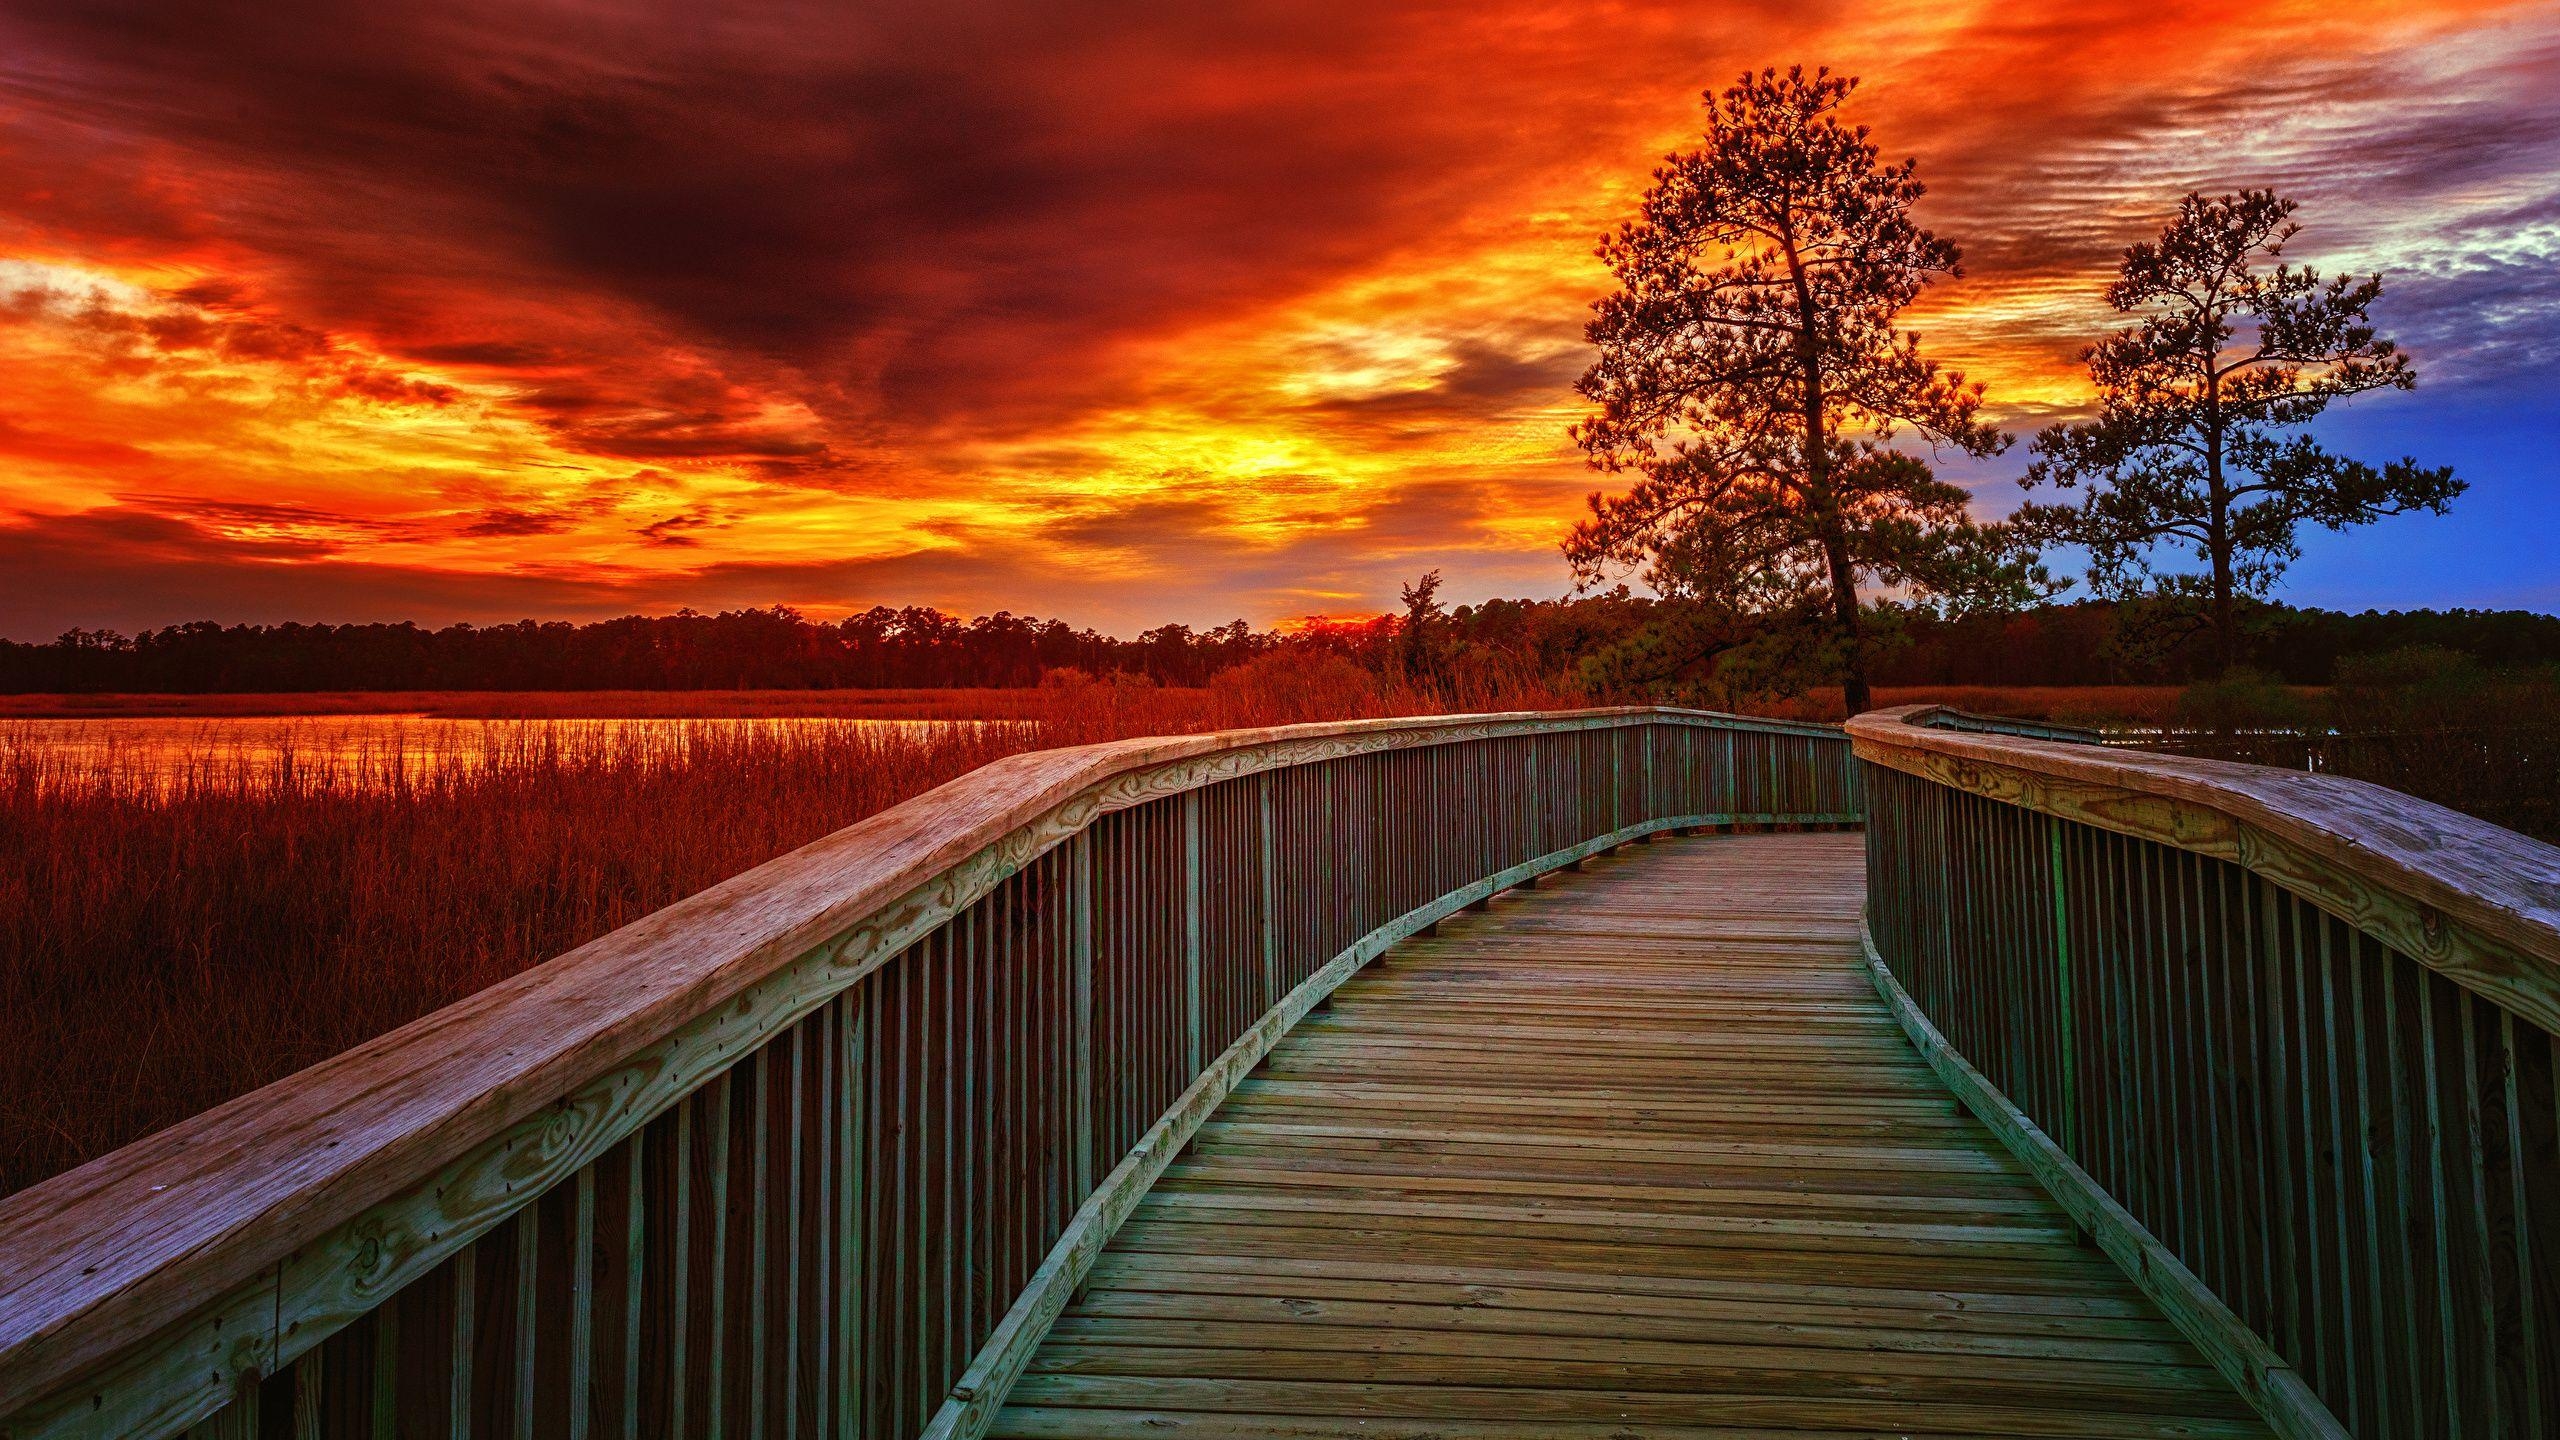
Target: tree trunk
(1844, 610)
(2226, 630)
(2226, 623)
(1820, 499)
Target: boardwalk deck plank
(1638, 1153)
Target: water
(377, 747)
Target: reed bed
(178, 931)
(987, 703)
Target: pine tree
(2189, 451)
(1751, 373)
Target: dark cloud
(507, 521)
(678, 529)
(1484, 378)
(495, 354)
(129, 569)
(309, 525)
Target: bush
(2242, 700)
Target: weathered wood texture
(776, 1160)
(1636, 1153)
(1948, 717)
(2188, 976)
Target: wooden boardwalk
(1636, 1154)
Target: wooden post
(1191, 999)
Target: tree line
(1615, 647)
(777, 648)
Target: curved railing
(1948, 717)
(2283, 1044)
(821, 1150)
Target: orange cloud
(481, 308)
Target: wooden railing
(821, 1150)
(2282, 1043)
(1948, 717)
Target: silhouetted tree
(1418, 639)
(1750, 372)
(2187, 453)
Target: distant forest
(2086, 643)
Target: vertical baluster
(1530, 797)
(2375, 1241)
(385, 1408)
(2353, 1398)
(1192, 1028)
(466, 1306)
(1081, 996)
(528, 1314)
(2417, 1362)
(950, 1139)
(2321, 1340)
(306, 1396)
(791, 1288)
(1268, 820)
(963, 1143)
(754, 1313)
(715, 1347)
(2066, 1014)
(582, 1307)
(2534, 1144)
(2293, 1325)
(894, 1113)
(1006, 1194)
(2244, 1183)
(2484, 1136)
(853, 1356)
(634, 1276)
(825, 1160)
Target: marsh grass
(172, 935)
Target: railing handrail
(2475, 901)
(1949, 717)
(211, 1220)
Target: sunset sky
(1124, 312)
